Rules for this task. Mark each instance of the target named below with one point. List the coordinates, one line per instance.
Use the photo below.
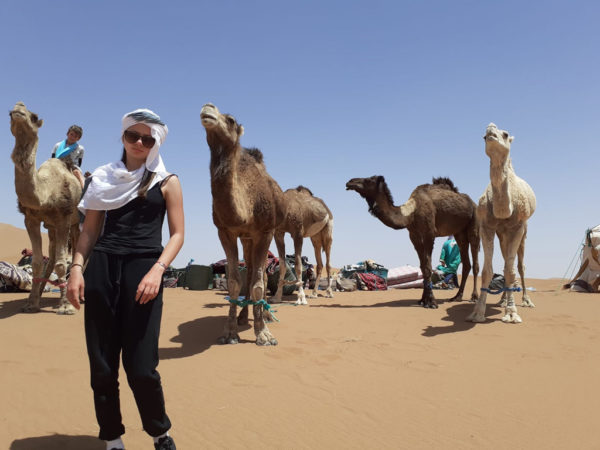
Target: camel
(504, 208)
(306, 216)
(433, 210)
(49, 196)
(247, 204)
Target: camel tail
(445, 181)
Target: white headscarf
(112, 185)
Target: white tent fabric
(591, 254)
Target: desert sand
(362, 370)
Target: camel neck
(397, 217)
(25, 172)
(224, 163)
(501, 175)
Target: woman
(122, 283)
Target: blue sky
(328, 90)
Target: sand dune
(362, 370)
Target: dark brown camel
(247, 205)
(432, 210)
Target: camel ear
(40, 123)
(240, 130)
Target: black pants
(115, 323)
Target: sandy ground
(362, 370)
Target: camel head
(222, 130)
(497, 142)
(24, 124)
(370, 189)
(366, 187)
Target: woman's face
(136, 152)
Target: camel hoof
(329, 295)
(66, 310)
(30, 309)
(512, 318)
(301, 302)
(456, 299)
(313, 296)
(265, 338)
(475, 318)
(228, 340)
(428, 305)
(527, 303)
(501, 303)
(474, 298)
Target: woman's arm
(92, 226)
(150, 284)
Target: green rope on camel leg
(241, 303)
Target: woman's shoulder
(172, 178)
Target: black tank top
(136, 227)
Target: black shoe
(165, 443)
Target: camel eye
(34, 117)
(230, 120)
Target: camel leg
(37, 264)
(521, 268)
(234, 283)
(424, 247)
(324, 241)
(473, 236)
(487, 239)
(509, 246)
(61, 248)
(298, 240)
(280, 242)
(261, 244)
(463, 246)
(242, 318)
(51, 259)
(316, 242)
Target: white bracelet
(161, 264)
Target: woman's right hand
(75, 287)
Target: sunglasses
(133, 136)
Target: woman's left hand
(150, 285)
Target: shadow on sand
(13, 306)
(197, 336)
(58, 442)
(394, 303)
(457, 314)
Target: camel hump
(445, 181)
(256, 154)
(305, 189)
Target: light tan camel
(306, 216)
(504, 208)
(49, 196)
(247, 204)
(432, 210)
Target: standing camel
(247, 204)
(306, 216)
(49, 195)
(432, 210)
(504, 208)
